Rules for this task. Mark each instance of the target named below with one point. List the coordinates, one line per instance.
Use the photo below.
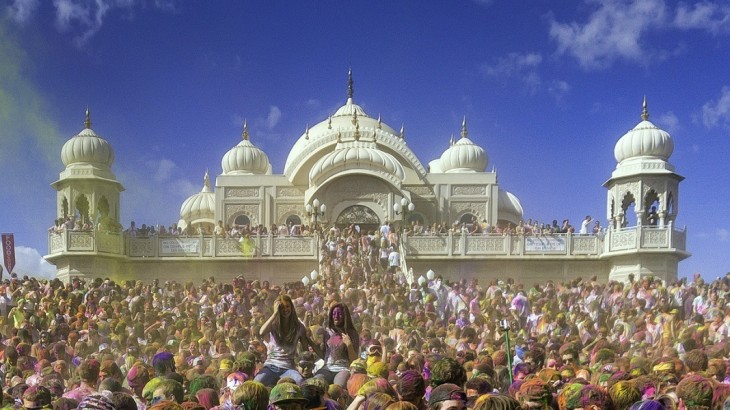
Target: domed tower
(642, 205)
(88, 190)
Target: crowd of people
(365, 342)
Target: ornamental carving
(207, 246)
(56, 243)
(428, 245)
(623, 240)
(459, 208)
(242, 192)
(421, 190)
(284, 210)
(468, 190)
(357, 214)
(141, 247)
(584, 244)
(108, 242)
(81, 241)
(293, 246)
(250, 210)
(228, 247)
(515, 244)
(476, 244)
(291, 192)
(654, 238)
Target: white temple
(352, 168)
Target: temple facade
(352, 168)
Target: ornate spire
(354, 118)
(375, 135)
(402, 131)
(245, 130)
(87, 119)
(206, 182)
(380, 122)
(451, 140)
(464, 131)
(357, 132)
(329, 123)
(350, 88)
(644, 111)
(306, 132)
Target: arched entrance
(359, 215)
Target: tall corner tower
(642, 206)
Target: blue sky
(547, 88)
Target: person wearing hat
(447, 396)
(287, 396)
(283, 332)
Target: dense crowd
(369, 342)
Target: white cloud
(28, 261)
(22, 10)
(522, 66)
(704, 15)
(716, 113)
(668, 121)
(164, 170)
(613, 31)
(273, 118)
(559, 88)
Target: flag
(8, 251)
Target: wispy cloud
(717, 112)
(83, 18)
(22, 10)
(722, 234)
(704, 15)
(273, 117)
(522, 66)
(613, 31)
(668, 121)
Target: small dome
(357, 156)
(87, 147)
(509, 207)
(644, 140)
(464, 155)
(199, 207)
(245, 158)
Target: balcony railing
(416, 247)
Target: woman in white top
(282, 332)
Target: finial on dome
(357, 132)
(464, 131)
(402, 131)
(451, 140)
(245, 130)
(329, 123)
(206, 181)
(644, 111)
(350, 88)
(380, 122)
(354, 117)
(87, 119)
(375, 135)
(306, 132)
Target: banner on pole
(8, 251)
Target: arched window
(628, 207)
(242, 220)
(293, 220)
(103, 207)
(651, 208)
(82, 209)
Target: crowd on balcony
(370, 343)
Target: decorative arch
(64, 207)
(628, 203)
(81, 206)
(651, 207)
(241, 219)
(103, 207)
(357, 214)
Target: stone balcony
(422, 247)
